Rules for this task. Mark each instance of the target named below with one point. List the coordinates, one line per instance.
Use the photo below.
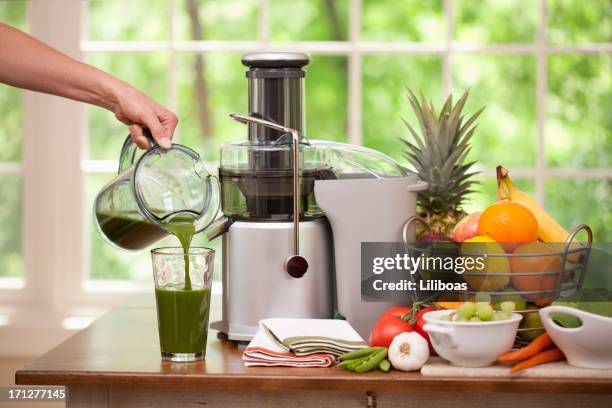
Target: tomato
(397, 311)
(386, 328)
(390, 324)
(418, 327)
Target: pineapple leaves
(438, 150)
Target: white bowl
(589, 345)
(470, 344)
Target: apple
(431, 237)
(531, 320)
(466, 228)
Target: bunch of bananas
(549, 230)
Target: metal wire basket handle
(567, 250)
(575, 232)
(408, 224)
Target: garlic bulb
(408, 351)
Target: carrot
(547, 356)
(538, 344)
(449, 305)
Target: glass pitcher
(151, 188)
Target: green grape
(484, 312)
(445, 317)
(467, 310)
(461, 319)
(507, 307)
(481, 305)
(501, 316)
(475, 319)
(483, 298)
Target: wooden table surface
(121, 349)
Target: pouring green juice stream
(183, 227)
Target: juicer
(278, 247)
(277, 251)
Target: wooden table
(115, 362)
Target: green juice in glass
(183, 319)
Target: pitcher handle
(129, 149)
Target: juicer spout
(218, 227)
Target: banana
(549, 230)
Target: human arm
(30, 64)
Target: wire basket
(569, 277)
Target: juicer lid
(275, 64)
(275, 59)
(349, 161)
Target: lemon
(486, 264)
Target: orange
(533, 264)
(508, 223)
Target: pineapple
(438, 155)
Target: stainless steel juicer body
(255, 284)
(277, 251)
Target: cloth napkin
(301, 342)
(308, 336)
(265, 351)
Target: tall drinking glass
(182, 313)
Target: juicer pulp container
(364, 210)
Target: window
(364, 52)
(546, 79)
(11, 173)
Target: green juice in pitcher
(128, 230)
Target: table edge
(412, 382)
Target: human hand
(138, 111)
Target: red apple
(431, 237)
(466, 228)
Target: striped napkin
(301, 342)
(265, 351)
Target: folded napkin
(312, 336)
(264, 350)
(301, 342)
